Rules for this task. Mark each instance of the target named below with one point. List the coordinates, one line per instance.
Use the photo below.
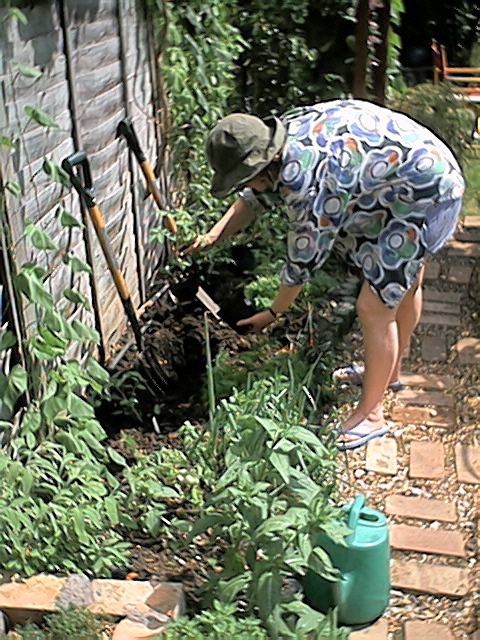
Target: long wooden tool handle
(85, 190)
(125, 129)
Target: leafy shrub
(217, 624)
(75, 623)
(442, 111)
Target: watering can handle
(355, 511)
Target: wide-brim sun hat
(239, 147)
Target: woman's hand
(258, 321)
(203, 241)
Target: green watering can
(362, 593)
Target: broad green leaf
(16, 14)
(78, 407)
(28, 282)
(7, 340)
(66, 219)
(96, 370)
(111, 508)
(27, 72)
(91, 441)
(27, 481)
(76, 264)
(16, 385)
(7, 142)
(76, 298)
(38, 238)
(79, 527)
(30, 440)
(56, 173)
(229, 589)
(281, 463)
(319, 562)
(153, 523)
(116, 457)
(68, 441)
(40, 117)
(268, 592)
(13, 187)
(85, 333)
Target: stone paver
(434, 348)
(424, 577)
(471, 222)
(441, 417)
(468, 350)
(377, 631)
(454, 297)
(449, 308)
(421, 508)
(425, 398)
(432, 270)
(419, 630)
(460, 274)
(441, 319)
(467, 462)
(136, 599)
(428, 382)
(464, 249)
(427, 460)
(381, 456)
(435, 541)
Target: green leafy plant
(440, 108)
(270, 498)
(216, 624)
(71, 622)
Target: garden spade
(84, 187)
(125, 129)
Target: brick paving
(425, 476)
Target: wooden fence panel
(96, 69)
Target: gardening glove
(258, 321)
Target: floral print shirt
(373, 184)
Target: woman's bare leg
(386, 334)
(381, 347)
(408, 316)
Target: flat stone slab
(136, 599)
(419, 630)
(432, 270)
(381, 456)
(435, 541)
(465, 249)
(421, 508)
(434, 348)
(467, 462)
(423, 577)
(471, 222)
(428, 382)
(468, 350)
(377, 631)
(442, 296)
(441, 417)
(427, 460)
(460, 274)
(442, 319)
(425, 398)
(449, 308)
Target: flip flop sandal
(361, 434)
(353, 375)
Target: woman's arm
(285, 297)
(238, 216)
